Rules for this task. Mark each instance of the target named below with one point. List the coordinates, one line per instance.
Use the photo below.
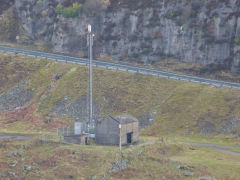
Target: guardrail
(119, 67)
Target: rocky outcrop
(77, 110)
(8, 21)
(5, 4)
(16, 97)
(147, 31)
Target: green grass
(221, 139)
(178, 106)
(216, 164)
(150, 159)
(55, 160)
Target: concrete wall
(75, 139)
(107, 132)
(128, 128)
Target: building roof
(124, 119)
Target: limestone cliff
(145, 30)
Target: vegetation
(150, 159)
(69, 12)
(133, 37)
(237, 41)
(177, 106)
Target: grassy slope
(154, 160)
(177, 105)
(16, 68)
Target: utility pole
(90, 92)
(120, 142)
(120, 136)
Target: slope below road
(120, 67)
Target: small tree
(59, 9)
(76, 7)
(69, 12)
(237, 41)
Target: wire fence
(59, 138)
(46, 138)
(65, 131)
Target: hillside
(48, 94)
(54, 160)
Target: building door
(86, 141)
(129, 138)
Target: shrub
(237, 41)
(132, 37)
(238, 68)
(212, 68)
(135, 55)
(147, 38)
(59, 9)
(69, 12)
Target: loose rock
(15, 154)
(21, 147)
(27, 168)
(12, 164)
(182, 167)
(205, 178)
(13, 174)
(118, 166)
(188, 173)
(36, 171)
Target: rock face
(147, 31)
(5, 4)
(77, 110)
(16, 97)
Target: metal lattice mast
(90, 44)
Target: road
(119, 67)
(7, 136)
(220, 148)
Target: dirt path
(14, 136)
(220, 148)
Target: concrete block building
(108, 132)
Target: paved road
(220, 148)
(120, 67)
(8, 136)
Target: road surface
(220, 148)
(8, 136)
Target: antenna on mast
(91, 123)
